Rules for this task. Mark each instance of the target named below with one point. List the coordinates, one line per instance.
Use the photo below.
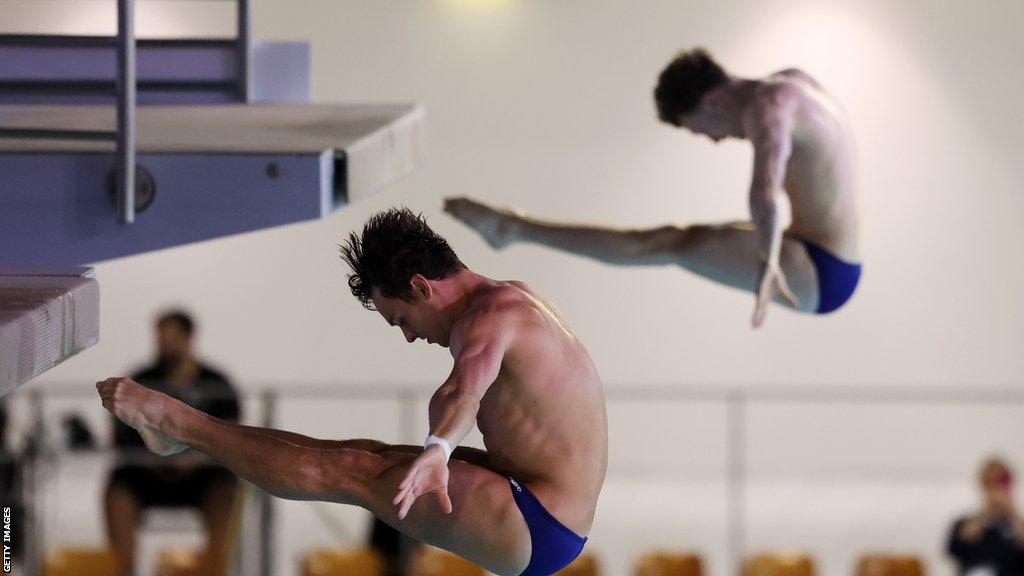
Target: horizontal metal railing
(125, 87)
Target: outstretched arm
(770, 127)
(479, 343)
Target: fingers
(402, 492)
(409, 495)
(760, 311)
(764, 295)
(786, 292)
(406, 485)
(411, 488)
(403, 511)
(791, 298)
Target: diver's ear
(420, 287)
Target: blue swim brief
(837, 279)
(554, 545)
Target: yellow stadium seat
(430, 561)
(779, 564)
(668, 564)
(890, 565)
(343, 562)
(182, 562)
(81, 562)
(583, 565)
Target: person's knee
(120, 495)
(366, 445)
(662, 241)
(121, 508)
(675, 241)
(355, 476)
(219, 492)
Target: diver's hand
(427, 473)
(771, 281)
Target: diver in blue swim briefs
(523, 507)
(804, 255)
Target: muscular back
(819, 177)
(543, 419)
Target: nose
(410, 336)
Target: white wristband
(440, 442)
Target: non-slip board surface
(46, 317)
(219, 128)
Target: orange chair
(668, 564)
(890, 565)
(182, 562)
(190, 562)
(583, 565)
(81, 562)
(430, 561)
(343, 562)
(779, 564)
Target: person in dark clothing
(187, 480)
(991, 541)
(394, 547)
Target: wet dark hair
(395, 245)
(686, 79)
(181, 318)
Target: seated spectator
(142, 480)
(990, 542)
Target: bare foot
(140, 408)
(160, 444)
(496, 225)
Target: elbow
(340, 476)
(453, 397)
(765, 196)
(764, 210)
(317, 478)
(464, 402)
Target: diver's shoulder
(495, 303)
(797, 74)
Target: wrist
(445, 446)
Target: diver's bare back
(543, 419)
(819, 175)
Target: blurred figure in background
(75, 433)
(188, 480)
(394, 547)
(991, 541)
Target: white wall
(546, 105)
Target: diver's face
(706, 121)
(417, 318)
